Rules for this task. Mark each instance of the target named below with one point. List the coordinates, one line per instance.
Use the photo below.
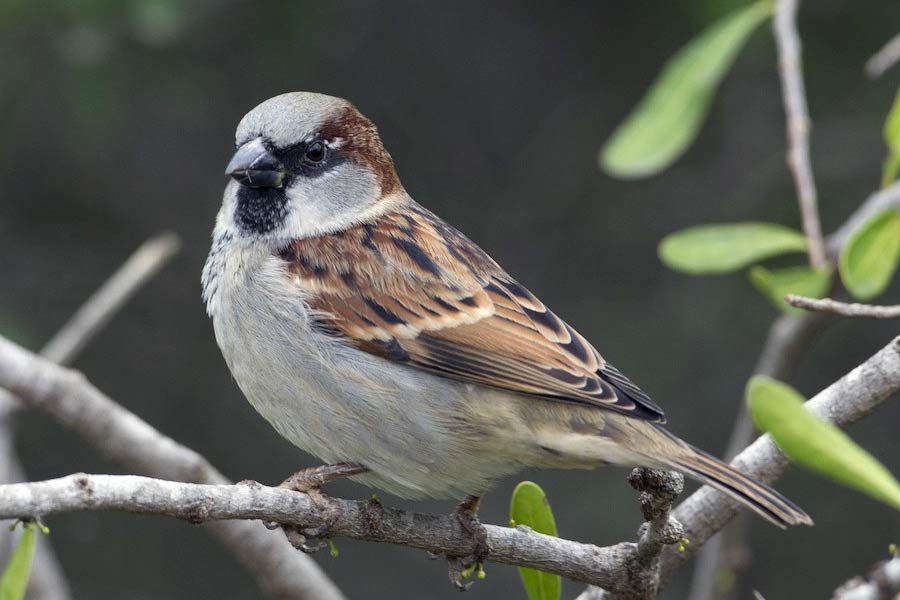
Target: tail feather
(759, 497)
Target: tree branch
(884, 59)
(849, 399)
(363, 520)
(63, 393)
(788, 336)
(659, 490)
(48, 581)
(844, 309)
(123, 437)
(102, 306)
(797, 114)
(96, 312)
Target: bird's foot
(309, 482)
(467, 514)
(459, 568)
(305, 480)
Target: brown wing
(412, 289)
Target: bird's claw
(312, 549)
(467, 515)
(312, 539)
(308, 481)
(457, 573)
(308, 540)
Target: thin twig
(79, 405)
(658, 492)
(844, 309)
(788, 336)
(884, 59)
(112, 295)
(706, 511)
(102, 305)
(797, 115)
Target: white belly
(417, 433)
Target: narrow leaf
(14, 581)
(869, 258)
(778, 409)
(777, 283)
(668, 118)
(892, 126)
(727, 247)
(529, 506)
(891, 166)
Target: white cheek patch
(330, 202)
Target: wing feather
(412, 289)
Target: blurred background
(116, 122)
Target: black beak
(254, 166)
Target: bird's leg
(458, 568)
(309, 481)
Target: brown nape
(362, 144)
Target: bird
(375, 336)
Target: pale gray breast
(418, 433)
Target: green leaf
(14, 581)
(529, 506)
(890, 168)
(777, 283)
(778, 409)
(869, 258)
(892, 138)
(727, 247)
(892, 126)
(668, 118)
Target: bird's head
(306, 164)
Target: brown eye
(315, 152)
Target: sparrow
(373, 335)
